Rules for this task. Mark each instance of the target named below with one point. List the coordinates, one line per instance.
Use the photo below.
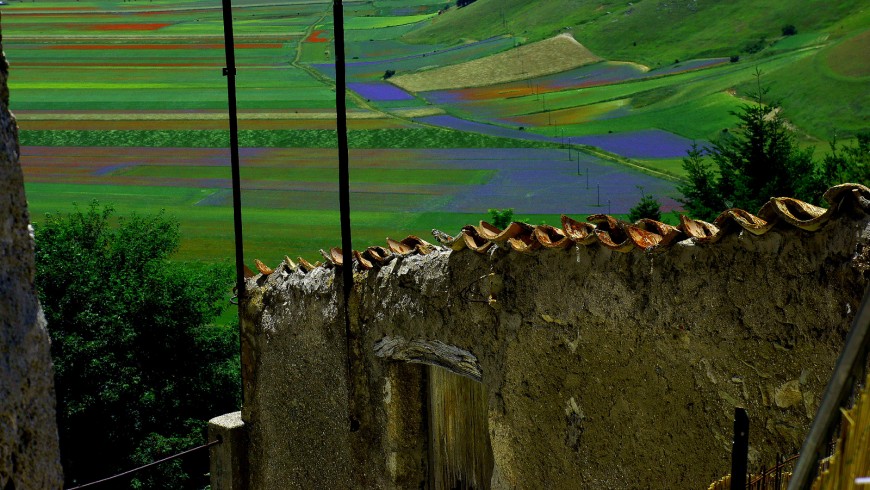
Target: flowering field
(405, 191)
(379, 91)
(138, 119)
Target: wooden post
(740, 449)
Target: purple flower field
(379, 91)
(538, 181)
(650, 143)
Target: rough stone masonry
(29, 452)
(603, 369)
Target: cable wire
(149, 465)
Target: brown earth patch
(850, 58)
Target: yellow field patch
(418, 111)
(542, 58)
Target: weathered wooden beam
(433, 352)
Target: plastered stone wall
(604, 369)
(29, 453)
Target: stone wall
(29, 454)
(603, 369)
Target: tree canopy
(758, 161)
(140, 367)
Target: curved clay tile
(578, 231)
(669, 233)
(799, 214)
(327, 260)
(418, 244)
(336, 255)
(745, 220)
(306, 266)
(364, 263)
(611, 233)
(641, 238)
(377, 255)
(399, 247)
(551, 237)
(513, 230)
(288, 262)
(487, 231)
(700, 231)
(525, 243)
(474, 241)
(263, 268)
(856, 193)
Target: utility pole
(230, 72)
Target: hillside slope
(652, 32)
(545, 57)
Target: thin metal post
(854, 354)
(739, 449)
(230, 72)
(344, 197)
(343, 154)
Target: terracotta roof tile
(645, 235)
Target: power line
(149, 465)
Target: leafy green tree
(648, 207)
(700, 193)
(140, 367)
(758, 161)
(762, 160)
(501, 218)
(848, 163)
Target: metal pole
(344, 200)
(230, 73)
(343, 154)
(853, 356)
(739, 449)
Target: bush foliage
(501, 218)
(647, 207)
(275, 138)
(139, 366)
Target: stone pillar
(29, 451)
(229, 459)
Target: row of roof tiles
(646, 234)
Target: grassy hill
(819, 75)
(651, 32)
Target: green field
(77, 69)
